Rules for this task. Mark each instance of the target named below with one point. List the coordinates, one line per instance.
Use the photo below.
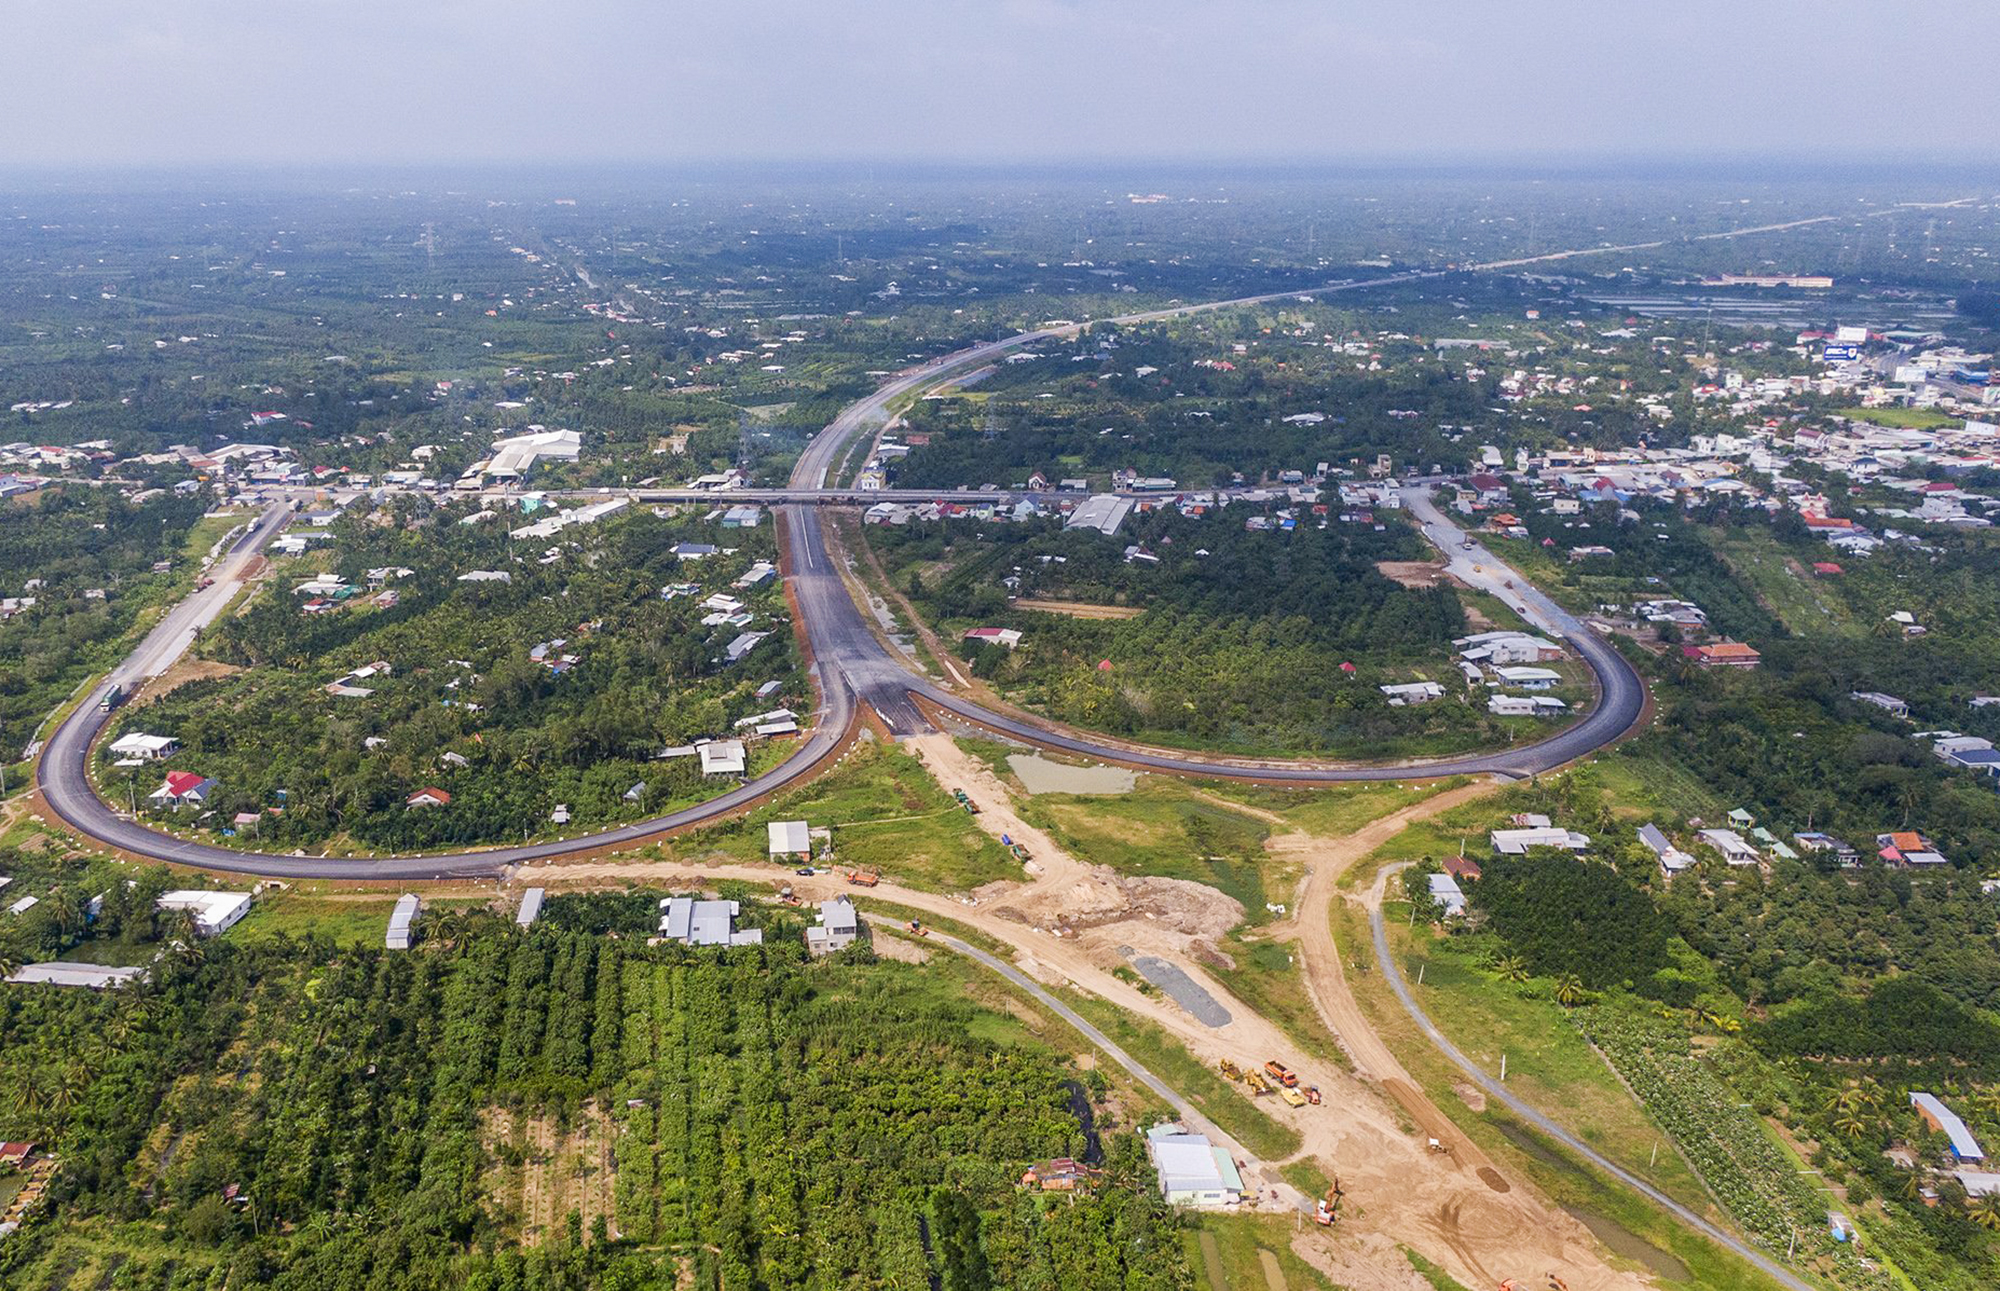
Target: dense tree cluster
(1241, 641)
(777, 1125)
(90, 554)
(1567, 916)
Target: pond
(1040, 775)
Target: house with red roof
(183, 787)
(430, 796)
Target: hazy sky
(92, 82)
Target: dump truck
(867, 878)
(1279, 1072)
(1230, 1069)
(971, 807)
(1292, 1096)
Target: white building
(721, 757)
(403, 921)
(513, 458)
(789, 838)
(214, 912)
(1516, 842)
(705, 923)
(1412, 692)
(837, 928)
(1449, 896)
(97, 977)
(1731, 845)
(144, 748)
(1193, 1171)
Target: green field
(1900, 418)
(1807, 605)
(886, 811)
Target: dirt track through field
(1071, 924)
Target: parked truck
(1279, 1072)
(867, 878)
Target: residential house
(1887, 703)
(1732, 846)
(1724, 654)
(1412, 692)
(1672, 859)
(1448, 896)
(428, 797)
(693, 922)
(1907, 847)
(1061, 1174)
(183, 787)
(837, 928)
(140, 747)
(1536, 831)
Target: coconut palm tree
(1986, 1212)
(1569, 991)
(1511, 969)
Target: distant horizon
(1979, 178)
(1086, 82)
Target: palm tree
(1986, 1212)
(1511, 969)
(1851, 1123)
(1569, 991)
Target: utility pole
(1503, 1067)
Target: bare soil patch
(186, 670)
(1081, 609)
(1412, 573)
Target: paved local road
(1494, 1089)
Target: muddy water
(1623, 1241)
(1615, 1236)
(1040, 775)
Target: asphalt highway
(851, 665)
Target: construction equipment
(1312, 1095)
(1328, 1207)
(1292, 1096)
(867, 878)
(1439, 1147)
(1255, 1079)
(1279, 1072)
(1231, 1070)
(918, 928)
(971, 807)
